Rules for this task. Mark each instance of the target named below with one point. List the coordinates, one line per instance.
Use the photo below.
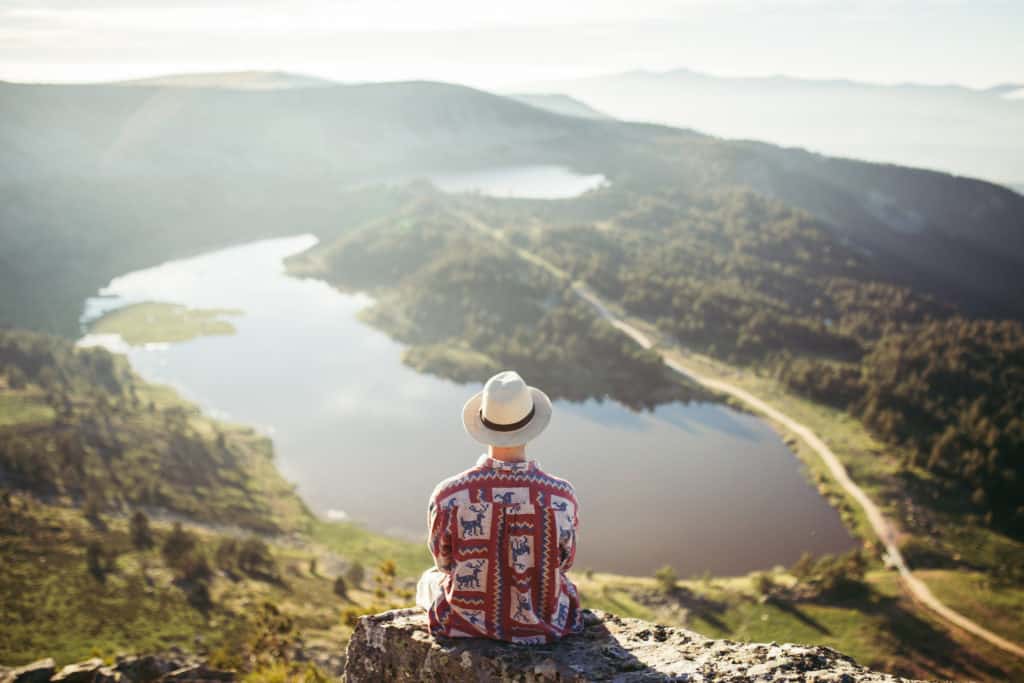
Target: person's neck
(508, 453)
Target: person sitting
(503, 533)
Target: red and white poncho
(504, 534)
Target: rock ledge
(395, 646)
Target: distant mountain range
(233, 80)
(98, 179)
(949, 128)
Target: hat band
(498, 427)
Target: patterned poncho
(504, 534)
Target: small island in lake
(154, 322)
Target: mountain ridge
(953, 128)
(186, 155)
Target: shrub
(763, 583)
(254, 559)
(198, 594)
(803, 569)
(93, 505)
(832, 576)
(355, 574)
(667, 578)
(226, 555)
(194, 567)
(15, 377)
(141, 535)
(178, 544)
(388, 568)
(350, 616)
(97, 560)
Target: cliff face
(395, 646)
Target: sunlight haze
(486, 45)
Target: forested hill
(99, 179)
(352, 131)
(77, 424)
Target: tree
(93, 505)
(226, 555)
(178, 544)
(667, 578)
(387, 568)
(355, 574)
(98, 560)
(198, 594)
(803, 568)
(141, 535)
(254, 559)
(194, 567)
(15, 377)
(340, 588)
(763, 583)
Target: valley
(280, 610)
(304, 292)
(308, 371)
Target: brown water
(699, 486)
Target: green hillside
(131, 522)
(881, 305)
(253, 584)
(469, 307)
(117, 443)
(920, 401)
(160, 172)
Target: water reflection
(699, 486)
(533, 182)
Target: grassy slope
(64, 611)
(151, 321)
(54, 606)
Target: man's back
(504, 534)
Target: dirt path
(881, 526)
(879, 523)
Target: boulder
(37, 672)
(108, 674)
(396, 646)
(145, 668)
(81, 672)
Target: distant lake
(700, 486)
(531, 182)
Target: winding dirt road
(917, 588)
(879, 523)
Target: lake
(699, 486)
(532, 182)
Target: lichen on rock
(396, 646)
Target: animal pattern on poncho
(504, 534)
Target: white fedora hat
(507, 412)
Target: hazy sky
(496, 44)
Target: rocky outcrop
(395, 646)
(82, 672)
(36, 672)
(144, 669)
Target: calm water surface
(699, 486)
(533, 182)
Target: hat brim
(481, 433)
